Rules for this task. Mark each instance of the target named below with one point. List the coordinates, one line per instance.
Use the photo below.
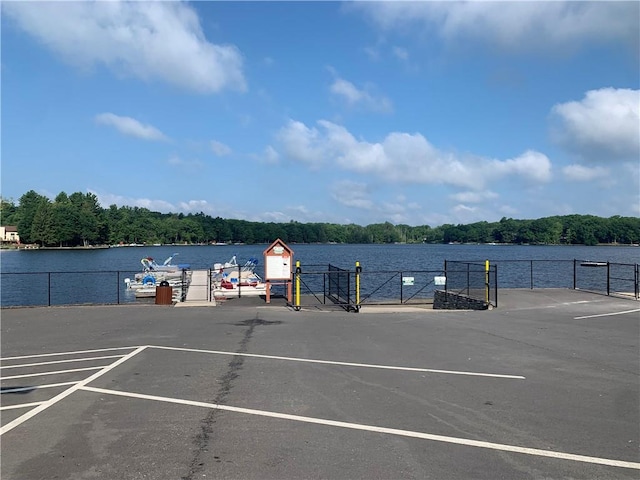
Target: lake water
(105, 269)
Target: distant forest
(79, 220)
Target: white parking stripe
(23, 418)
(36, 387)
(85, 359)
(77, 352)
(607, 314)
(347, 364)
(55, 372)
(22, 405)
(371, 428)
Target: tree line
(79, 220)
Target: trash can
(164, 293)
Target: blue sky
(420, 113)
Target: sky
(417, 113)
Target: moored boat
(233, 280)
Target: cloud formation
(512, 25)
(355, 97)
(220, 149)
(580, 173)
(130, 126)
(603, 126)
(352, 194)
(403, 157)
(147, 40)
(474, 197)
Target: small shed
(278, 260)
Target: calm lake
(105, 269)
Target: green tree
(29, 203)
(8, 212)
(43, 230)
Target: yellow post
(298, 270)
(486, 281)
(358, 270)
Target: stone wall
(453, 301)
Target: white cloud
(352, 194)
(474, 197)
(403, 158)
(512, 25)
(219, 148)
(604, 125)
(271, 155)
(107, 199)
(531, 164)
(185, 165)
(301, 143)
(464, 209)
(580, 173)
(130, 126)
(364, 97)
(147, 40)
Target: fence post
(486, 281)
(574, 274)
(49, 287)
(445, 276)
(531, 274)
(298, 271)
(608, 278)
(358, 270)
(468, 280)
(118, 286)
(495, 282)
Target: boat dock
(197, 293)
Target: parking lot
(544, 387)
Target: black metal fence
(609, 278)
(33, 289)
(349, 289)
(65, 288)
(324, 284)
(352, 289)
(476, 280)
(393, 287)
(338, 284)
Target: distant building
(9, 233)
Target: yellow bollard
(298, 271)
(358, 270)
(486, 281)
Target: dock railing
(349, 288)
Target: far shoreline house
(9, 234)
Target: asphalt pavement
(546, 386)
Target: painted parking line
(40, 408)
(372, 428)
(607, 314)
(55, 372)
(34, 387)
(347, 364)
(21, 405)
(76, 352)
(52, 362)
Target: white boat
(150, 292)
(234, 280)
(145, 282)
(150, 265)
